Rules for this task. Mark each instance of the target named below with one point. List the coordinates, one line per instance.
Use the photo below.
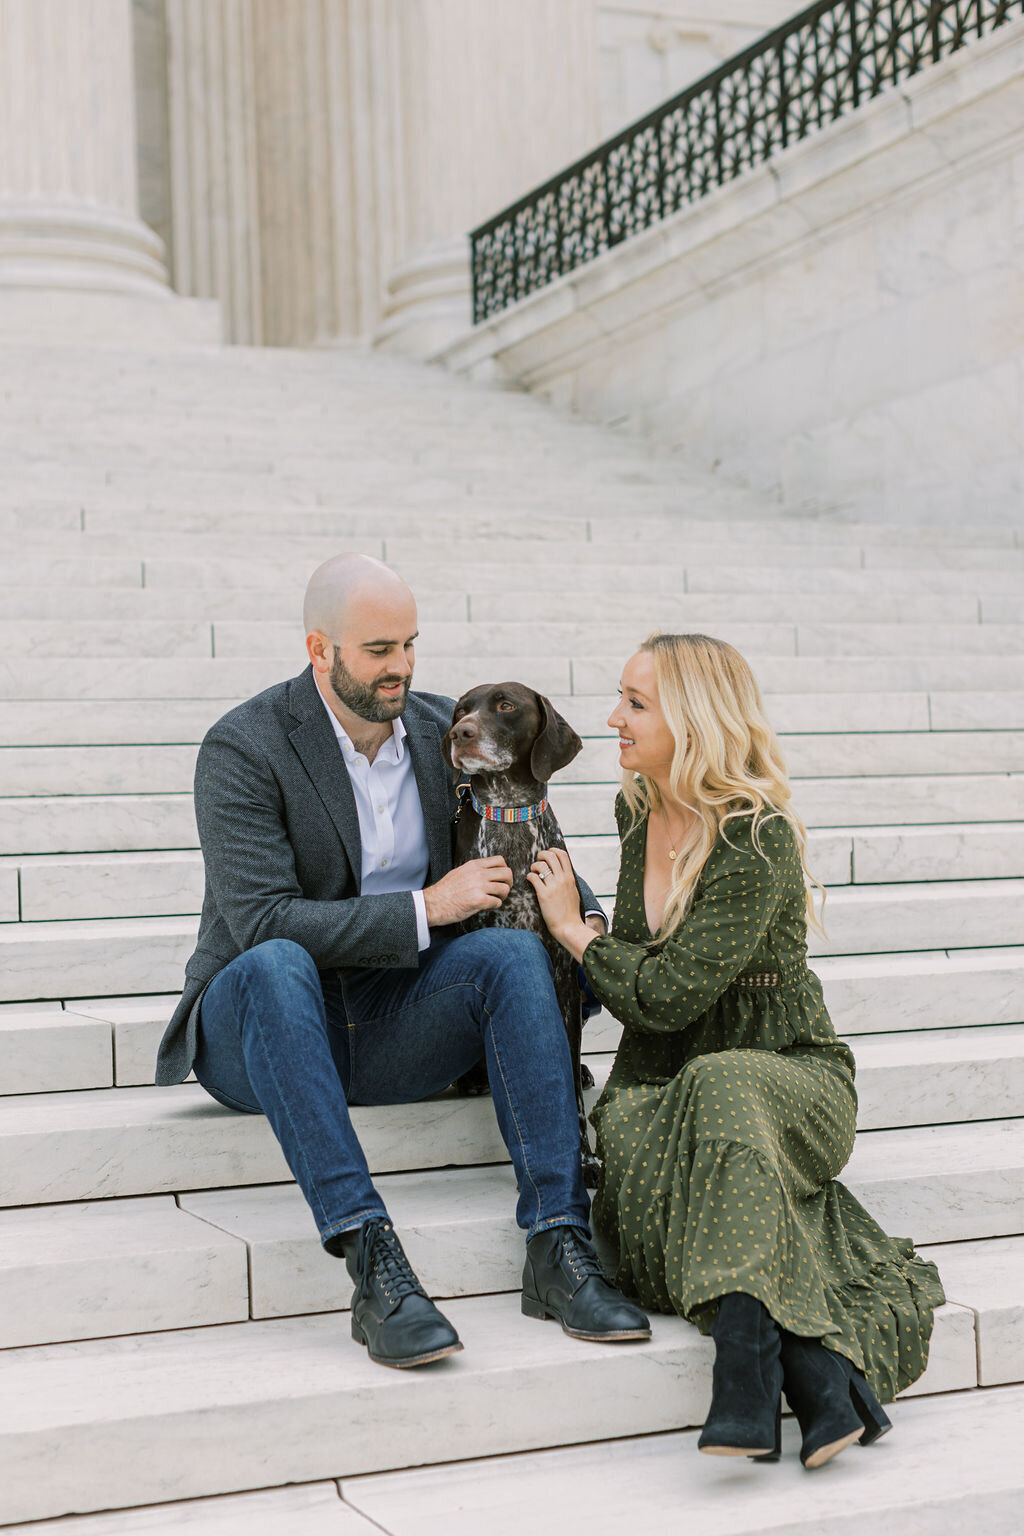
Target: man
(328, 970)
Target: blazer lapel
(317, 746)
(424, 742)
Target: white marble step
(160, 767)
(46, 1049)
(145, 954)
(72, 569)
(940, 1077)
(698, 610)
(753, 551)
(196, 677)
(271, 1395)
(97, 823)
(751, 635)
(493, 538)
(307, 1509)
(845, 755)
(844, 856)
(483, 575)
(904, 800)
(694, 571)
(864, 714)
(952, 1465)
(940, 914)
(886, 717)
(593, 673)
(57, 887)
(281, 602)
(230, 638)
(116, 1267)
(599, 512)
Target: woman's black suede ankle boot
(820, 1393)
(745, 1411)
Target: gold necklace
(672, 852)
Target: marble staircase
(172, 1339)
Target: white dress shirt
(391, 827)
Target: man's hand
(479, 886)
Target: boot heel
(533, 1307)
(357, 1332)
(775, 1453)
(869, 1409)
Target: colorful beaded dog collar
(508, 812)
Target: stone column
(73, 249)
(487, 100)
(214, 182)
(275, 165)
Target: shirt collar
(393, 748)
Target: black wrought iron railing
(819, 65)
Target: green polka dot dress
(731, 1109)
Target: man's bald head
(361, 637)
(343, 581)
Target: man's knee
(500, 953)
(277, 965)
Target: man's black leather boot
(391, 1312)
(563, 1279)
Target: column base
(428, 301)
(76, 273)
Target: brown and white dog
(507, 741)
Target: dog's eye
(503, 706)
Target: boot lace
(384, 1256)
(581, 1257)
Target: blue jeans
(278, 1037)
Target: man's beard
(362, 698)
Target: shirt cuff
(596, 912)
(422, 927)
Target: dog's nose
(463, 732)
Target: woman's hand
(554, 883)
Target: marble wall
(651, 51)
(843, 328)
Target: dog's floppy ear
(446, 746)
(556, 744)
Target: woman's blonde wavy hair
(727, 760)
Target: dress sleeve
(664, 987)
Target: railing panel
(820, 65)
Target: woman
(730, 1108)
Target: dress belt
(766, 981)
